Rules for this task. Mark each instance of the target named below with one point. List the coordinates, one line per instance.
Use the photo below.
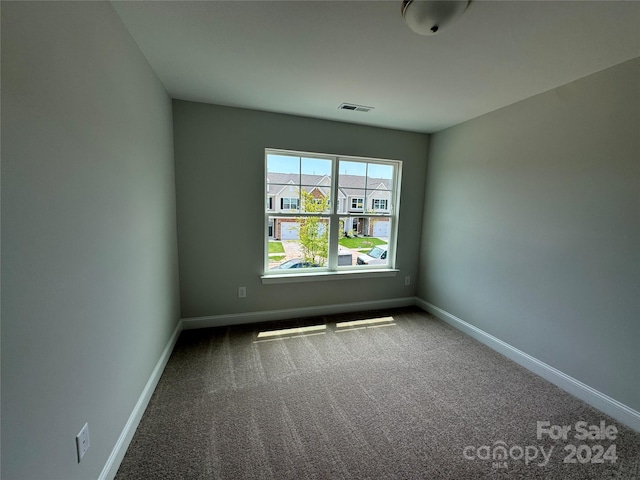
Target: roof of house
(349, 185)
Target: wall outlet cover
(82, 441)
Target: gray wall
(532, 228)
(89, 255)
(219, 155)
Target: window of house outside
(379, 204)
(329, 213)
(357, 203)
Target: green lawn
(275, 247)
(360, 242)
(277, 258)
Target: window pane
(283, 180)
(352, 175)
(348, 167)
(305, 241)
(316, 185)
(316, 166)
(364, 239)
(379, 176)
(282, 164)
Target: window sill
(328, 276)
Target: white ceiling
(307, 57)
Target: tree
(314, 231)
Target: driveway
(292, 250)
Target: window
(288, 203)
(357, 203)
(378, 204)
(308, 232)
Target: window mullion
(299, 184)
(334, 223)
(366, 185)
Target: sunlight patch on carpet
(292, 331)
(367, 323)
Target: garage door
(381, 229)
(289, 230)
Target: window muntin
(366, 193)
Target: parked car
(376, 256)
(295, 263)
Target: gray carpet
(406, 398)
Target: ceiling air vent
(354, 108)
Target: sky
(318, 166)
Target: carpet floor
(394, 394)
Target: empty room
(320, 240)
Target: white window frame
(357, 201)
(332, 270)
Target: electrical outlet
(82, 441)
(407, 280)
(242, 292)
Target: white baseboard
(593, 397)
(117, 454)
(283, 314)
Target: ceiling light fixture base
(428, 17)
